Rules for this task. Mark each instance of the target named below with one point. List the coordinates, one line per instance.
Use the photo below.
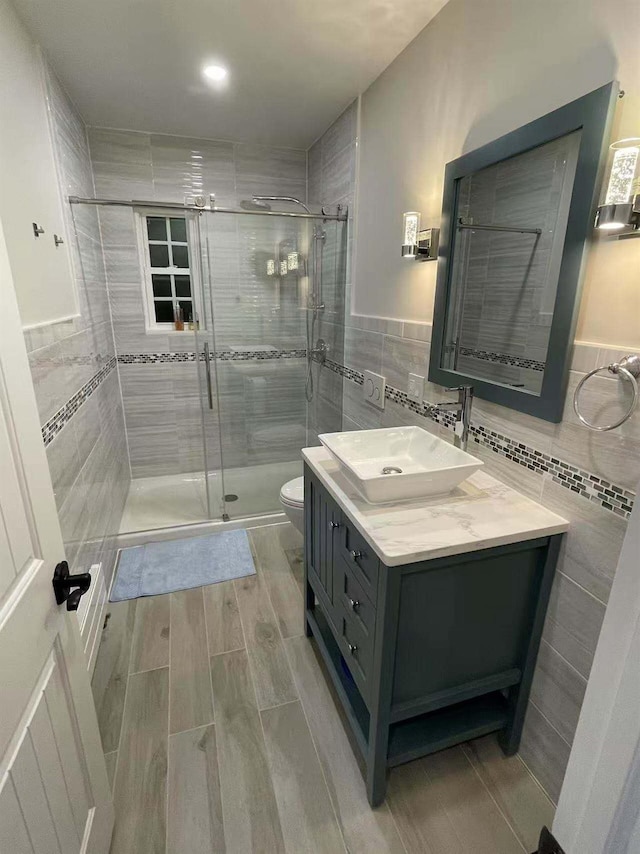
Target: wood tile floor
(221, 734)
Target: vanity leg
(382, 687)
(509, 738)
(377, 779)
(310, 602)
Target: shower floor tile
(180, 499)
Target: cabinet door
(322, 519)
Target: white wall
(480, 69)
(28, 181)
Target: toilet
(292, 500)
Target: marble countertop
(480, 513)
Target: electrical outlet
(374, 388)
(416, 387)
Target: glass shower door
(258, 293)
(205, 350)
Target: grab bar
(629, 369)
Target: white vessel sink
(399, 463)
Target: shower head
(254, 205)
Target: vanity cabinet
(427, 654)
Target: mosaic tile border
(62, 417)
(221, 355)
(503, 359)
(606, 495)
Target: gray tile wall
(588, 562)
(331, 182)
(88, 457)
(262, 411)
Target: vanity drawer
(349, 596)
(359, 555)
(357, 650)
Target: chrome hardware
(37, 230)
(207, 367)
(57, 240)
(333, 524)
(629, 369)
(341, 216)
(516, 230)
(353, 604)
(355, 555)
(391, 470)
(352, 648)
(462, 408)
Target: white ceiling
(294, 64)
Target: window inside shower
(167, 247)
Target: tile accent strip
(503, 359)
(601, 492)
(221, 355)
(62, 417)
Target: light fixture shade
(624, 172)
(283, 267)
(619, 211)
(271, 267)
(292, 261)
(410, 231)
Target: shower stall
(218, 319)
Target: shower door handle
(207, 366)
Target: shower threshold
(165, 501)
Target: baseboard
(548, 844)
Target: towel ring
(629, 368)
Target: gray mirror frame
(592, 114)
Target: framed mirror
(517, 216)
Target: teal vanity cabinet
(426, 654)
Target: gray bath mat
(180, 564)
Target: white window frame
(193, 271)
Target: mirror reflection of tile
(504, 282)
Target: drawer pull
(352, 648)
(355, 555)
(354, 604)
(334, 524)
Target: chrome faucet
(462, 408)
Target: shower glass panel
(258, 294)
(152, 264)
(266, 273)
(218, 406)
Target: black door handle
(63, 582)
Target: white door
(599, 807)
(54, 792)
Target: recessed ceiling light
(217, 73)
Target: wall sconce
(418, 244)
(283, 267)
(292, 261)
(271, 267)
(621, 208)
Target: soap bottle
(178, 318)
